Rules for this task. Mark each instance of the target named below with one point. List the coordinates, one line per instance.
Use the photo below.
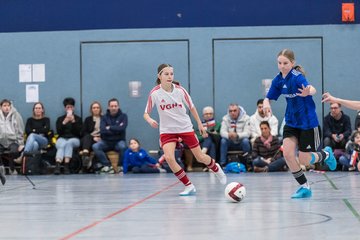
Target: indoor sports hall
(222, 53)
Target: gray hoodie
(11, 128)
(242, 125)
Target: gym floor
(86, 206)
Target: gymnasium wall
(218, 63)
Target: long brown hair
(92, 104)
(42, 106)
(160, 68)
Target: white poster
(266, 83)
(25, 72)
(32, 93)
(134, 88)
(38, 72)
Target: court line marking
(346, 201)
(91, 225)
(331, 182)
(352, 209)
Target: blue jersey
(136, 159)
(300, 111)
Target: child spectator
(138, 160)
(349, 159)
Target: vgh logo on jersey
(170, 106)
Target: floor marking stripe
(331, 182)
(352, 209)
(71, 235)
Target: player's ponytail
(299, 68)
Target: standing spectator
(68, 128)
(90, 133)
(258, 117)
(113, 135)
(266, 153)
(11, 135)
(37, 129)
(337, 127)
(235, 132)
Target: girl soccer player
(170, 100)
(302, 129)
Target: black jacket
(341, 126)
(117, 124)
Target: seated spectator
(11, 135)
(357, 120)
(68, 128)
(357, 127)
(212, 138)
(337, 127)
(37, 129)
(113, 133)
(281, 130)
(266, 153)
(257, 118)
(352, 151)
(209, 143)
(180, 151)
(138, 160)
(235, 132)
(90, 133)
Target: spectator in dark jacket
(266, 153)
(68, 128)
(113, 135)
(337, 127)
(37, 129)
(90, 133)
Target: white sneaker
(221, 175)
(111, 170)
(14, 172)
(107, 169)
(189, 190)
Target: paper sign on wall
(32, 93)
(31, 73)
(38, 72)
(25, 72)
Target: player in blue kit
(302, 130)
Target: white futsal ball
(235, 192)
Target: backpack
(235, 167)
(32, 165)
